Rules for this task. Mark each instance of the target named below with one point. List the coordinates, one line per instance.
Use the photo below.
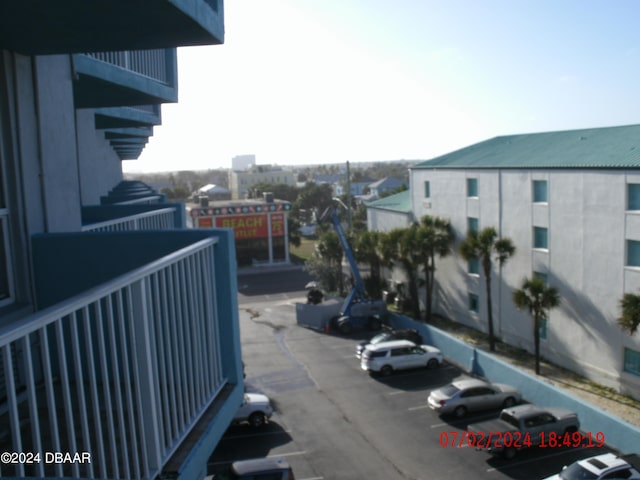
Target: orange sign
(245, 226)
(277, 225)
(205, 222)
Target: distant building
(387, 184)
(242, 162)
(212, 192)
(241, 182)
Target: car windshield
(381, 337)
(510, 419)
(449, 390)
(577, 472)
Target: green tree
(486, 246)
(314, 197)
(401, 246)
(329, 249)
(630, 317)
(435, 238)
(538, 298)
(366, 250)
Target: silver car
(463, 396)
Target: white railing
(122, 372)
(150, 63)
(162, 219)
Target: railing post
(143, 346)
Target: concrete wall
(100, 168)
(618, 433)
(386, 220)
(587, 226)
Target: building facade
(570, 203)
(119, 332)
(241, 182)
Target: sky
(301, 82)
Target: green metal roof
(400, 202)
(609, 147)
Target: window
(540, 238)
(472, 187)
(633, 196)
(541, 276)
(472, 224)
(540, 191)
(633, 253)
(542, 329)
(427, 190)
(474, 266)
(473, 302)
(632, 361)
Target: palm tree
(400, 246)
(487, 246)
(435, 237)
(630, 318)
(367, 251)
(329, 248)
(536, 296)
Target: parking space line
(517, 464)
(292, 454)
(420, 407)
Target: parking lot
(334, 421)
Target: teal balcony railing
(125, 78)
(123, 371)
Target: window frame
(535, 191)
(473, 302)
(635, 362)
(427, 189)
(536, 244)
(636, 243)
(636, 202)
(473, 224)
(472, 187)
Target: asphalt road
(334, 421)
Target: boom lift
(358, 309)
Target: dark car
(410, 334)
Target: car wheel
(386, 370)
(433, 363)
(460, 411)
(345, 327)
(570, 430)
(509, 453)
(508, 402)
(257, 419)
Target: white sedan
(463, 396)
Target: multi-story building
(570, 202)
(241, 182)
(119, 341)
(242, 162)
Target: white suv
(386, 357)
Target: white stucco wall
(587, 227)
(385, 220)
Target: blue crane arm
(358, 292)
